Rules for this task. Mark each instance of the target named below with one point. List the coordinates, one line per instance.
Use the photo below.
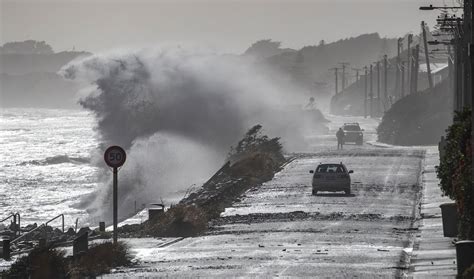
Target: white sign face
(115, 156)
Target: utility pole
(427, 57)
(357, 73)
(365, 92)
(397, 69)
(410, 89)
(378, 86)
(457, 66)
(468, 11)
(417, 66)
(336, 73)
(451, 78)
(415, 69)
(402, 88)
(371, 92)
(467, 30)
(385, 89)
(344, 64)
(410, 40)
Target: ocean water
(45, 164)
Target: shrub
(253, 141)
(39, 263)
(454, 171)
(51, 263)
(180, 220)
(99, 259)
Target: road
(280, 229)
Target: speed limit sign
(115, 156)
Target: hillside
(309, 66)
(28, 76)
(418, 119)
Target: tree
(26, 47)
(264, 49)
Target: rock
(83, 230)
(30, 227)
(70, 232)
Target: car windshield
(327, 168)
(352, 128)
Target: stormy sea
(176, 112)
(45, 163)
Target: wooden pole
(365, 93)
(378, 86)
(397, 68)
(385, 81)
(402, 88)
(416, 68)
(371, 92)
(409, 57)
(427, 57)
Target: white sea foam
(44, 165)
(177, 112)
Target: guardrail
(60, 215)
(14, 216)
(9, 216)
(27, 233)
(39, 227)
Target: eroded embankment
(254, 160)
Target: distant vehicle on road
(331, 178)
(353, 133)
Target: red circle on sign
(115, 156)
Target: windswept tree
(264, 49)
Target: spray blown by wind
(176, 112)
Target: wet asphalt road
(280, 229)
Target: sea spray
(177, 112)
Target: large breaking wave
(177, 112)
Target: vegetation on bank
(52, 263)
(418, 119)
(454, 171)
(254, 160)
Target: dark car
(353, 133)
(331, 178)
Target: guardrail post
(6, 248)
(101, 226)
(464, 255)
(19, 224)
(80, 244)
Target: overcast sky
(225, 25)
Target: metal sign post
(115, 157)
